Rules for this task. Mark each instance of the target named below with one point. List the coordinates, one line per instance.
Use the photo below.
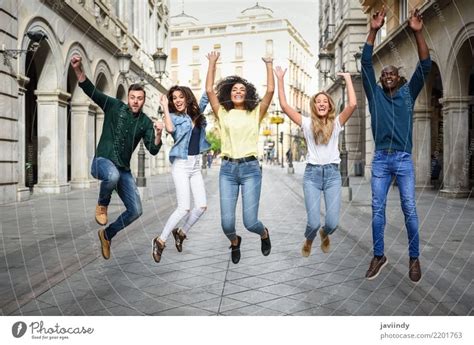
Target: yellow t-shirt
(239, 132)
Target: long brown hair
(322, 126)
(192, 107)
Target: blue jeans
(385, 165)
(321, 178)
(248, 176)
(122, 180)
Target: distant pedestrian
(391, 111)
(239, 113)
(322, 176)
(187, 126)
(210, 157)
(124, 126)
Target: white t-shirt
(319, 153)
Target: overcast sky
(302, 14)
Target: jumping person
(124, 126)
(187, 125)
(391, 110)
(239, 113)
(321, 131)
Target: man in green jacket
(124, 126)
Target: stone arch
(460, 58)
(103, 79)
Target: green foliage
(215, 141)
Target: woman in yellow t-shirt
(239, 112)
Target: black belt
(240, 160)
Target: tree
(215, 140)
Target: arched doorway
(121, 94)
(103, 85)
(31, 120)
(437, 131)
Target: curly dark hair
(224, 88)
(192, 106)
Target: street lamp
(159, 62)
(325, 64)
(35, 36)
(277, 119)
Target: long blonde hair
(322, 126)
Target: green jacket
(122, 130)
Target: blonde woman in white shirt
(322, 176)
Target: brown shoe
(414, 271)
(157, 249)
(306, 249)
(325, 242)
(179, 237)
(101, 214)
(104, 244)
(375, 267)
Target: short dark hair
(224, 88)
(137, 87)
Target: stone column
(422, 145)
(52, 138)
(82, 144)
(23, 192)
(456, 142)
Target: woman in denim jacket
(187, 125)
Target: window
(196, 54)
(195, 81)
(195, 32)
(238, 71)
(269, 48)
(218, 73)
(340, 60)
(174, 77)
(381, 34)
(218, 30)
(403, 10)
(174, 55)
(217, 48)
(238, 50)
(176, 33)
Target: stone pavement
(51, 262)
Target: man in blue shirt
(391, 110)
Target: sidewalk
(51, 262)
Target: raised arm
(166, 114)
(415, 22)
(102, 100)
(287, 109)
(267, 99)
(203, 102)
(211, 74)
(368, 75)
(352, 101)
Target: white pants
(187, 178)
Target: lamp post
(277, 119)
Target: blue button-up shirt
(183, 127)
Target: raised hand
(345, 75)
(213, 56)
(279, 72)
(267, 59)
(378, 19)
(76, 61)
(415, 22)
(164, 101)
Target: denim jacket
(183, 127)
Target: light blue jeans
(232, 176)
(113, 177)
(385, 165)
(322, 179)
